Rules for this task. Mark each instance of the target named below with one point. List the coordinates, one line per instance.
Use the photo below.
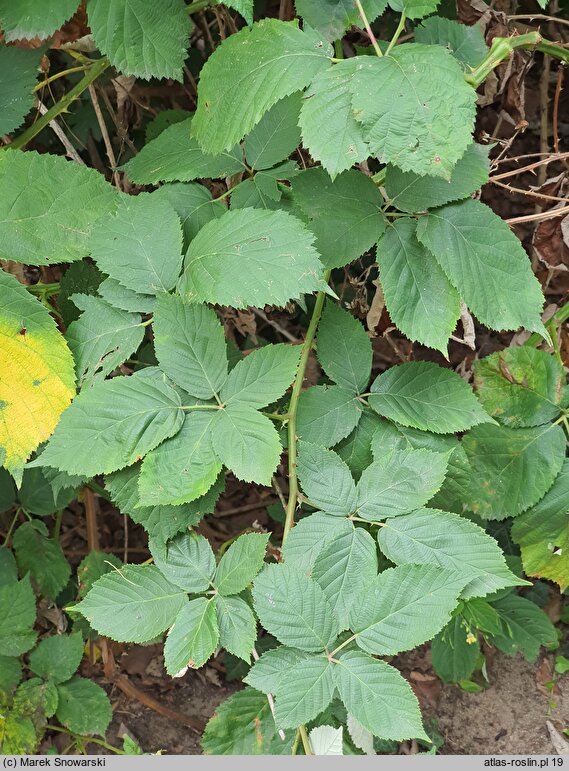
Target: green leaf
(187, 561)
(360, 736)
(18, 73)
(307, 623)
(355, 450)
(543, 533)
(48, 207)
(7, 491)
(10, 673)
(465, 43)
(344, 348)
(37, 381)
(243, 7)
(56, 658)
(276, 136)
(42, 557)
(83, 707)
(512, 468)
(526, 627)
(426, 132)
(262, 376)
(190, 345)
(27, 19)
(38, 494)
(142, 39)
(174, 156)
(249, 73)
(344, 214)
(243, 725)
(478, 613)
(389, 437)
(241, 563)
(378, 697)
(422, 395)
(113, 424)
(134, 604)
(520, 387)
(454, 652)
(17, 616)
(80, 278)
(327, 414)
(160, 522)
(193, 204)
(399, 482)
(237, 626)
(102, 338)
(267, 672)
(486, 263)
(419, 297)
(404, 607)
(8, 567)
(92, 567)
(326, 480)
(183, 468)
(124, 299)
(193, 638)
(309, 536)
(250, 243)
(414, 9)
(305, 690)
(131, 249)
(333, 17)
(410, 192)
(327, 740)
(247, 443)
(329, 129)
(343, 569)
(432, 537)
(455, 489)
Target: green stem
(305, 740)
(343, 645)
(379, 177)
(86, 739)
(502, 48)
(43, 290)
(57, 526)
(100, 491)
(276, 416)
(368, 28)
(293, 408)
(558, 318)
(200, 5)
(398, 31)
(58, 75)
(96, 69)
(200, 407)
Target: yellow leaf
(37, 379)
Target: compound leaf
(425, 396)
(486, 263)
(249, 73)
(426, 132)
(37, 379)
(251, 257)
(307, 623)
(114, 424)
(193, 638)
(140, 38)
(133, 604)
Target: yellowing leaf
(37, 380)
